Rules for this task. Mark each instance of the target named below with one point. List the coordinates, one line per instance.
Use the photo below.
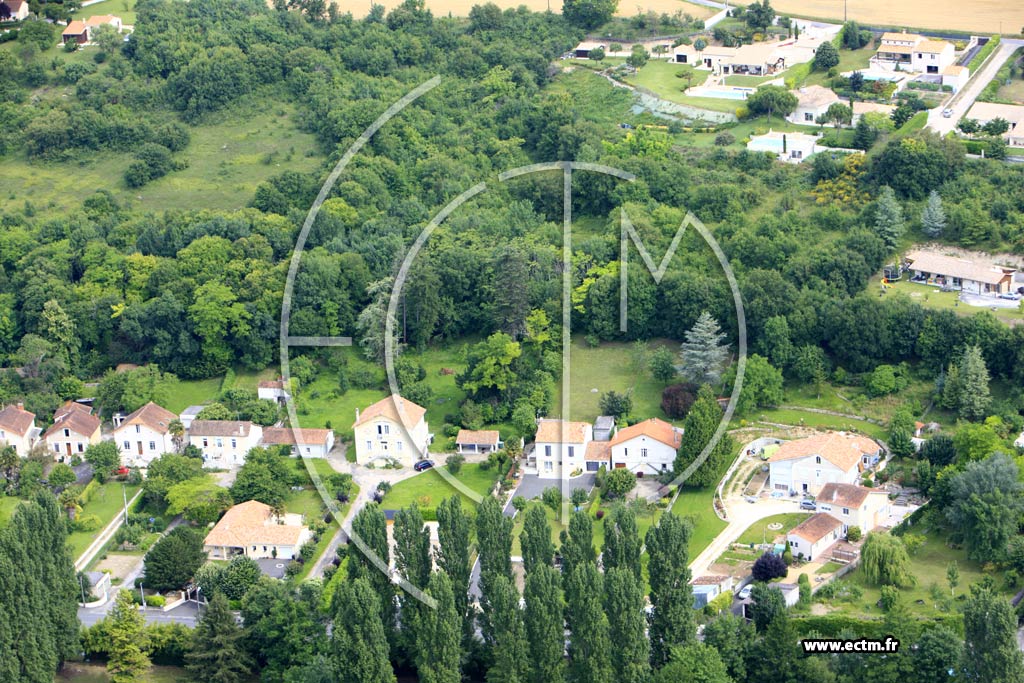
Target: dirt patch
(118, 565)
(820, 610)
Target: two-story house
(224, 443)
(913, 52)
(806, 465)
(854, 505)
(74, 429)
(144, 435)
(18, 429)
(648, 447)
(304, 443)
(14, 10)
(560, 446)
(393, 428)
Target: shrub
(677, 399)
(890, 596)
(767, 567)
(86, 523)
(552, 497)
(155, 601)
(725, 138)
(853, 534)
(454, 463)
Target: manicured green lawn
(828, 568)
(428, 489)
(929, 568)
(121, 8)
(107, 502)
(607, 367)
(931, 296)
(749, 81)
(659, 76)
(758, 532)
(192, 392)
(7, 507)
(741, 132)
(696, 504)
(849, 60)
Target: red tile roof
(656, 429)
(394, 408)
(151, 415)
(842, 450)
(16, 420)
(560, 431)
(817, 527)
(286, 436)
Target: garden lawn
(7, 506)
(607, 367)
(192, 392)
(106, 503)
(849, 60)
(1014, 92)
(828, 568)
(741, 132)
(748, 81)
(659, 76)
(758, 532)
(928, 566)
(930, 296)
(120, 8)
(697, 505)
(429, 488)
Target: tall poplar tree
(545, 625)
(359, 647)
(438, 638)
(578, 543)
(510, 653)
(371, 527)
(494, 551)
(453, 555)
(589, 641)
(621, 541)
(672, 620)
(624, 605)
(535, 539)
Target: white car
(744, 592)
(947, 113)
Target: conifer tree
(216, 653)
(621, 541)
(589, 642)
(578, 542)
(371, 528)
(510, 653)
(933, 217)
(702, 355)
(438, 639)
(889, 223)
(494, 551)
(453, 555)
(128, 659)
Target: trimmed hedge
(839, 625)
(983, 54)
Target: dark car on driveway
(423, 465)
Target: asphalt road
(963, 100)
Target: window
(817, 460)
(369, 445)
(206, 442)
(67, 433)
(643, 452)
(137, 429)
(56, 448)
(220, 443)
(127, 446)
(234, 443)
(572, 451)
(398, 446)
(383, 429)
(846, 511)
(664, 467)
(547, 466)
(81, 447)
(152, 445)
(384, 445)
(808, 116)
(547, 451)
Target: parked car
(423, 465)
(1012, 296)
(808, 505)
(947, 113)
(750, 499)
(744, 592)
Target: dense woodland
(195, 292)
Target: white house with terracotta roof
(14, 10)
(648, 447)
(815, 535)
(252, 529)
(812, 102)
(559, 448)
(145, 435)
(473, 442)
(272, 390)
(304, 442)
(1013, 114)
(971, 276)
(76, 31)
(74, 429)
(224, 443)
(393, 428)
(854, 505)
(18, 429)
(806, 465)
(94, 22)
(913, 52)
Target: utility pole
(844, 10)
(124, 495)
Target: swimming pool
(766, 144)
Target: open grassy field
(928, 567)
(428, 489)
(120, 8)
(228, 156)
(107, 502)
(659, 76)
(1012, 92)
(460, 8)
(606, 367)
(741, 132)
(804, 418)
(758, 532)
(849, 60)
(973, 15)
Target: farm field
(973, 15)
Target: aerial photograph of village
(517, 341)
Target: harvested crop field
(959, 15)
(460, 8)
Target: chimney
(357, 414)
(21, 406)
